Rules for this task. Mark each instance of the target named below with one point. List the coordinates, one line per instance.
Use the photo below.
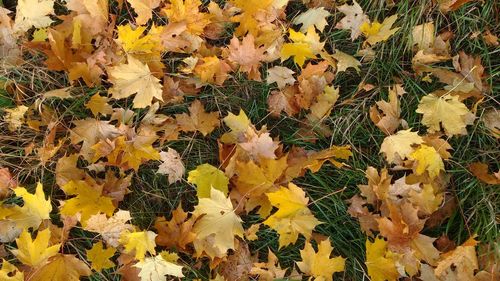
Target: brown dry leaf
(388, 120)
(66, 170)
(246, 56)
(260, 146)
(440, 145)
(480, 171)
(490, 38)
(238, 265)
(172, 165)
(451, 5)
(91, 131)
(7, 182)
(281, 75)
(367, 220)
(116, 187)
(283, 100)
(491, 120)
(430, 48)
(270, 270)
(177, 232)
(198, 119)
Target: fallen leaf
(34, 252)
(110, 228)
(61, 268)
(400, 145)
(312, 17)
(380, 261)
(207, 177)
(144, 9)
(198, 119)
(377, 32)
(480, 171)
(428, 159)
(155, 268)
(281, 75)
(172, 165)
(353, 20)
(138, 243)
(99, 257)
(31, 13)
(319, 264)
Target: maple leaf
(99, 104)
(61, 268)
(155, 268)
(389, 120)
(88, 201)
(212, 70)
(206, 177)
(458, 264)
(134, 77)
(138, 242)
(354, 18)
(319, 264)
(246, 55)
(345, 61)
(7, 182)
(187, 11)
(426, 199)
(172, 165)
(198, 119)
(91, 131)
(293, 216)
(480, 171)
(130, 154)
(446, 110)
(34, 210)
(260, 146)
(33, 13)
(99, 257)
(217, 221)
(177, 232)
(110, 228)
(33, 252)
(15, 117)
(400, 145)
(8, 272)
(428, 159)
(270, 270)
(312, 17)
(377, 32)
(144, 9)
(324, 104)
(380, 261)
(304, 46)
(281, 75)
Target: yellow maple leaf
(135, 41)
(155, 268)
(377, 32)
(212, 70)
(319, 264)
(400, 144)
(187, 11)
(33, 252)
(144, 9)
(134, 77)
(206, 177)
(34, 210)
(238, 124)
(198, 119)
(380, 261)
(62, 268)
(304, 46)
(293, 216)
(99, 257)
(446, 110)
(217, 223)
(247, 19)
(8, 272)
(33, 13)
(131, 154)
(99, 104)
(428, 159)
(459, 264)
(354, 18)
(139, 242)
(88, 201)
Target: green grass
(478, 203)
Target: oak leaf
(134, 77)
(319, 264)
(34, 252)
(198, 119)
(99, 257)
